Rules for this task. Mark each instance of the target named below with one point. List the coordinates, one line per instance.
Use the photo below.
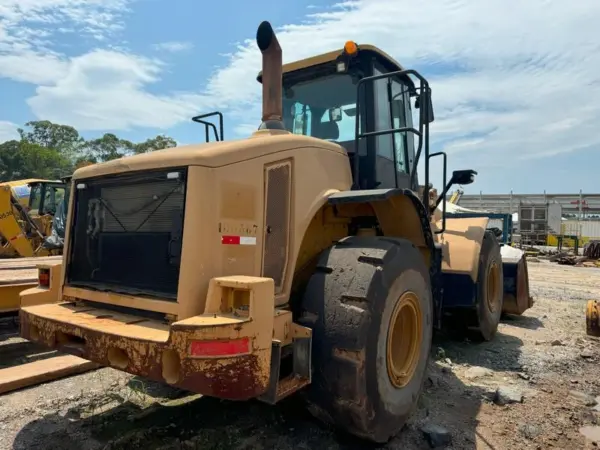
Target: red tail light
(44, 278)
(234, 347)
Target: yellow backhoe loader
(27, 209)
(307, 257)
(32, 233)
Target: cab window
(53, 196)
(394, 115)
(307, 106)
(35, 197)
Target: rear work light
(221, 348)
(44, 278)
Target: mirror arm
(444, 193)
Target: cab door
(394, 151)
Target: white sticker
(247, 240)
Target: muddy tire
(363, 288)
(490, 291)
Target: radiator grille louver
(127, 232)
(277, 221)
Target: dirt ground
(543, 365)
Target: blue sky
(515, 84)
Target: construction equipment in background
(456, 195)
(21, 189)
(514, 265)
(19, 274)
(592, 318)
(306, 257)
(23, 229)
(500, 224)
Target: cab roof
(333, 55)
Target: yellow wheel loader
(306, 257)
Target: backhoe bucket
(516, 281)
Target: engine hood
(213, 154)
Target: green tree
(42, 162)
(11, 161)
(108, 147)
(160, 142)
(50, 150)
(62, 138)
(22, 159)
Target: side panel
(461, 244)
(272, 200)
(278, 186)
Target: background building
(542, 218)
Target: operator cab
(45, 196)
(320, 100)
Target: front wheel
(490, 288)
(369, 305)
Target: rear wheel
(490, 291)
(369, 305)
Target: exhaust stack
(272, 78)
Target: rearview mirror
(419, 100)
(335, 114)
(463, 177)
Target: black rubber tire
(348, 304)
(488, 320)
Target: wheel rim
(492, 283)
(404, 339)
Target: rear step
(38, 372)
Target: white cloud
(174, 46)
(95, 17)
(511, 79)
(31, 67)
(28, 26)
(8, 131)
(105, 90)
(528, 84)
(99, 90)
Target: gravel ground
(533, 387)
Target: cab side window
(391, 116)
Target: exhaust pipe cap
(272, 109)
(264, 35)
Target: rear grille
(126, 233)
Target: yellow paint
(552, 241)
(9, 225)
(404, 339)
(37, 295)
(19, 237)
(143, 340)
(222, 291)
(10, 295)
(461, 245)
(121, 300)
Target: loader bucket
(592, 318)
(516, 281)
